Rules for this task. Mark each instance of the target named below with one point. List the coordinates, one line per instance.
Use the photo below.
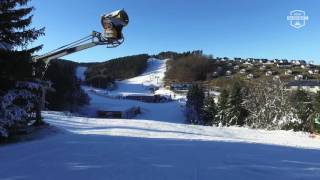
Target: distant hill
(104, 74)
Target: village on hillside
(295, 73)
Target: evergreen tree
(302, 103)
(222, 106)
(210, 111)
(15, 57)
(317, 104)
(194, 106)
(237, 112)
(14, 21)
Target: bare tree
(268, 105)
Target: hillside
(104, 74)
(218, 72)
(156, 144)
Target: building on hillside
(284, 61)
(263, 67)
(180, 86)
(263, 61)
(144, 98)
(308, 85)
(118, 112)
(250, 60)
(228, 73)
(229, 64)
(218, 58)
(298, 62)
(243, 71)
(311, 72)
(256, 60)
(215, 74)
(269, 73)
(236, 67)
(153, 88)
(248, 64)
(269, 62)
(276, 78)
(250, 76)
(288, 72)
(298, 77)
(225, 59)
(284, 65)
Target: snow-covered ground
(170, 111)
(167, 130)
(102, 149)
(156, 145)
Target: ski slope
(166, 130)
(152, 77)
(102, 99)
(99, 149)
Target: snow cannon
(113, 24)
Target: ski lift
(113, 24)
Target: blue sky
(232, 28)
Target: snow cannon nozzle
(113, 24)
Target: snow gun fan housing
(113, 24)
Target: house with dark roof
(118, 112)
(284, 65)
(180, 86)
(308, 85)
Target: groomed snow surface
(99, 149)
(156, 145)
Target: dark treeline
(192, 66)
(189, 68)
(176, 55)
(103, 75)
(66, 94)
(265, 105)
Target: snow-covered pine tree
(18, 106)
(222, 106)
(15, 57)
(210, 111)
(302, 103)
(236, 112)
(194, 106)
